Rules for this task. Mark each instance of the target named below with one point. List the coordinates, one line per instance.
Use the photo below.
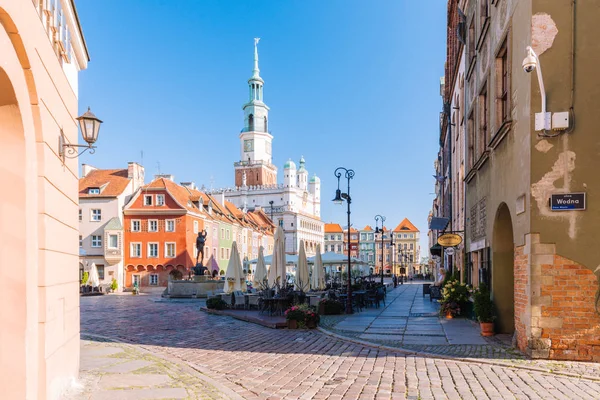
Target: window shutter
(461, 27)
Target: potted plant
(114, 285)
(484, 310)
(293, 315)
(311, 319)
(455, 295)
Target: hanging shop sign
(567, 201)
(450, 251)
(449, 240)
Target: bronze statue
(200, 240)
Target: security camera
(530, 62)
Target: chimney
(165, 176)
(222, 198)
(189, 185)
(86, 169)
(135, 172)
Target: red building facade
(161, 225)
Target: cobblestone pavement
(411, 322)
(262, 363)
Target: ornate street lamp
(89, 125)
(381, 231)
(339, 199)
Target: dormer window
(148, 200)
(94, 191)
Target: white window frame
(98, 238)
(138, 278)
(150, 252)
(93, 190)
(148, 196)
(132, 253)
(215, 253)
(151, 277)
(227, 234)
(80, 241)
(196, 227)
(167, 255)
(99, 214)
(150, 222)
(139, 225)
(160, 200)
(108, 242)
(222, 233)
(167, 222)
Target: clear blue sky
(349, 83)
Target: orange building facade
(161, 225)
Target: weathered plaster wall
(568, 163)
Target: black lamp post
(271, 203)
(339, 199)
(377, 230)
(393, 249)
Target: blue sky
(349, 83)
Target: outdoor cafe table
(275, 305)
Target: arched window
(251, 122)
(266, 126)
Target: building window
(135, 225)
(153, 280)
(405, 236)
(160, 199)
(228, 253)
(411, 246)
(251, 123)
(502, 76)
(412, 235)
(484, 136)
(222, 253)
(153, 225)
(339, 247)
(195, 226)
(339, 237)
(135, 250)
(100, 269)
(227, 234)
(471, 42)
(484, 12)
(170, 225)
(96, 214)
(153, 250)
(170, 250)
(80, 241)
(222, 233)
(96, 241)
(113, 241)
(136, 280)
(94, 191)
(80, 215)
(215, 253)
(471, 143)
(147, 199)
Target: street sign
(450, 251)
(449, 240)
(567, 201)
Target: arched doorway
(14, 246)
(503, 278)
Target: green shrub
(295, 313)
(483, 305)
(86, 276)
(114, 285)
(215, 303)
(331, 307)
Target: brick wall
(521, 271)
(555, 317)
(569, 319)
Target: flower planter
(487, 328)
(449, 316)
(292, 324)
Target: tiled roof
(112, 182)
(333, 228)
(367, 228)
(406, 226)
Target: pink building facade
(43, 50)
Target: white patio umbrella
(278, 269)
(260, 274)
(317, 280)
(302, 278)
(94, 279)
(234, 276)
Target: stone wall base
(555, 316)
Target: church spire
(255, 82)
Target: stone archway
(503, 278)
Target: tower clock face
(249, 145)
